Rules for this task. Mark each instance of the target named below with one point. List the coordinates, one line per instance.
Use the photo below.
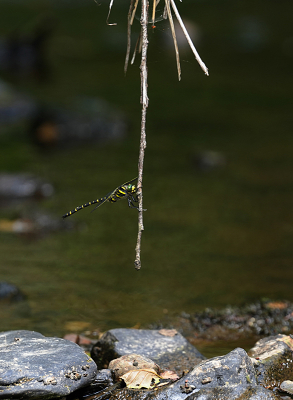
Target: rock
(232, 370)
(169, 352)
(124, 364)
(263, 318)
(14, 106)
(217, 393)
(23, 186)
(287, 386)
(229, 377)
(273, 360)
(34, 224)
(10, 293)
(103, 380)
(89, 120)
(35, 366)
(236, 393)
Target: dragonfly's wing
(102, 200)
(127, 183)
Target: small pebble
(206, 380)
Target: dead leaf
(168, 332)
(170, 375)
(141, 378)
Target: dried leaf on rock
(141, 378)
(170, 375)
(168, 332)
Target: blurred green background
(214, 234)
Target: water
(212, 238)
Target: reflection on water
(215, 236)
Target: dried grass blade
(107, 20)
(128, 36)
(174, 38)
(199, 60)
(135, 49)
(154, 12)
(165, 14)
(133, 12)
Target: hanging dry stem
(144, 101)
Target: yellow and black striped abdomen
(118, 194)
(101, 201)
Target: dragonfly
(126, 191)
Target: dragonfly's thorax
(129, 188)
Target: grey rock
(235, 393)
(287, 386)
(10, 293)
(216, 393)
(234, 370)
(14, 106)
(169, 352)
(273, 360)
(23, 186)
(35, 366)
(103, 380)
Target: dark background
(218, 226)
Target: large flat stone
(35, 366)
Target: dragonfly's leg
(134, 199)
(130, 204)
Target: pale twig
(107, 20)
(144, 101)
(199, 60)
(165, 14)
(135, 49)
(128, 36)
(174, 38)
(133, 12)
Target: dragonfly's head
(131, 188)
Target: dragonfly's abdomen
(118, 194)
(84, 206)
